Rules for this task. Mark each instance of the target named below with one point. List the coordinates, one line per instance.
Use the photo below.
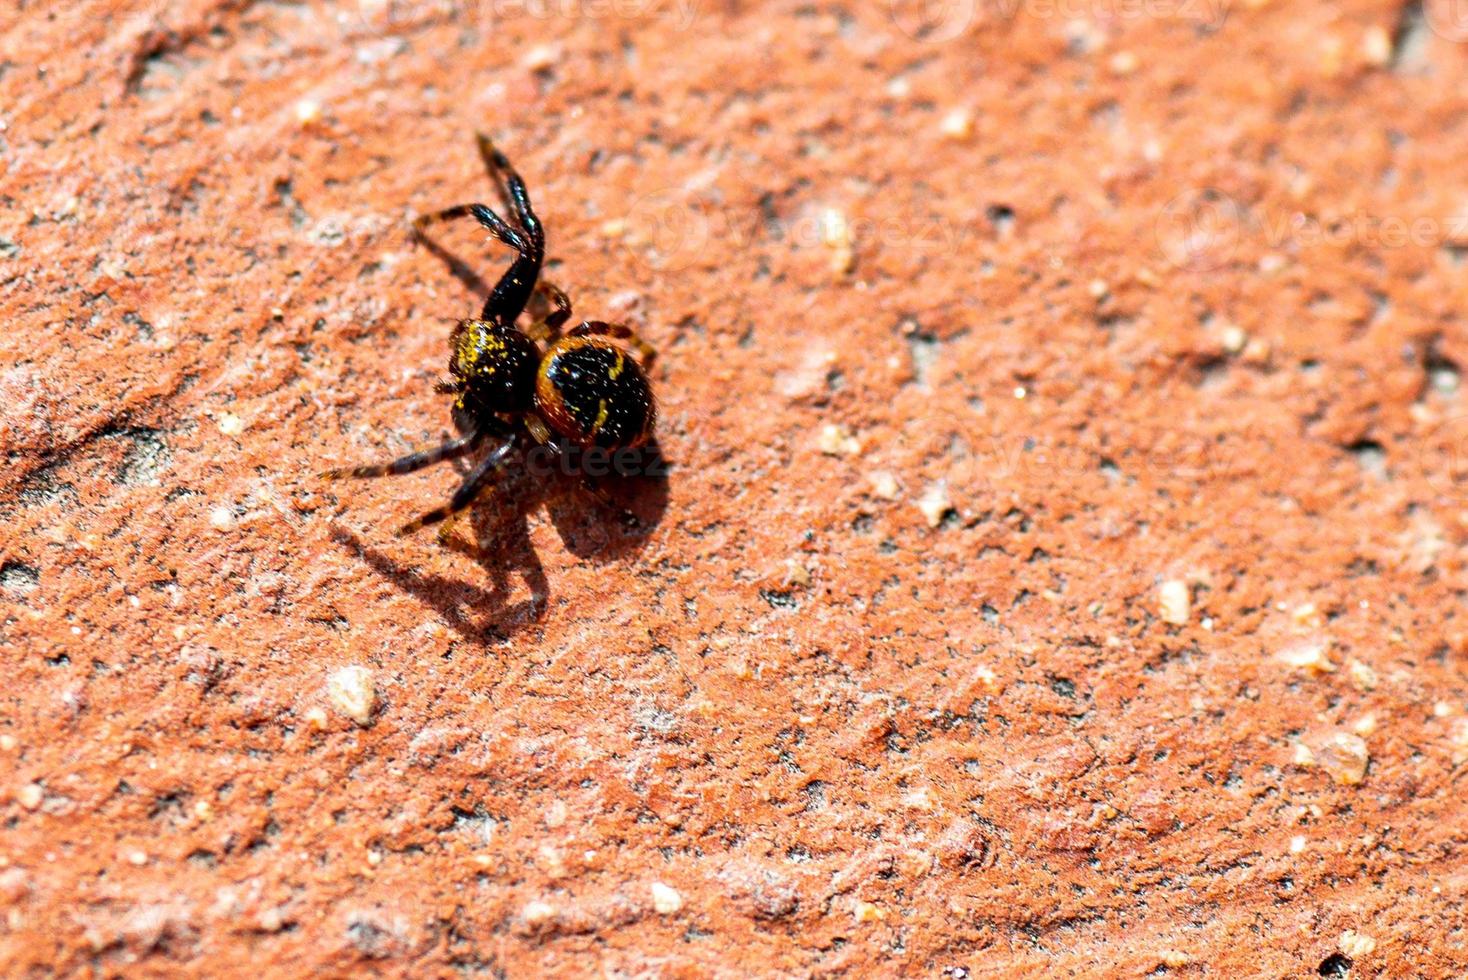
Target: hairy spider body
(582, 390)
(493, 366)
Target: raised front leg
(512, 292)
(513, 188)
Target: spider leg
(497, 226)
(472, 486)
(550, 325)
(510, 296)
(448, 449)
(512, 292)
(558, 298)
(646, 352)
(541, 432)
(513, 188)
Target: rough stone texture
(1098, 297)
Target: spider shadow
(457, 267)
(589, 528)
(634, 484)
(500, 541)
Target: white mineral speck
(552, 861)
(1377, 46)
(884, 485)
(665, 898)
(1175, 602)
(541, 57)
(538, 913)
(837, 440)
(1235, 338)
(958, 124)
(934, 503)
(1361, 675)
(918, 799)
(1309, 655)
(1124, 63)
(1355, 944)
(836, 234)
(1306, 615)
(1344, 756)
(308, 111)
(352, 693)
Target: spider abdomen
(594, 393)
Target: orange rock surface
(1059, 570)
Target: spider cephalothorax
(573, 389)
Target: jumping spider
(580, 392)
